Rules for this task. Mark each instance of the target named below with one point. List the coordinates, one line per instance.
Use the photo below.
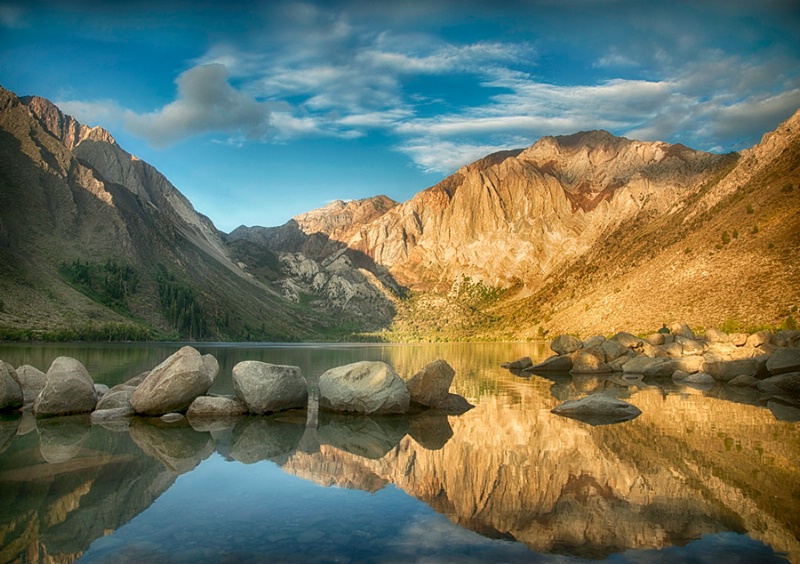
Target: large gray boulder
(566, 344)
(598, 409)
(613, 350)
(118, 396)
(727, 370)
(175, 383)
(690, 346)
(363, 387)
(431, 385)
(31, 380)
(716, 336)
(265, 388)
(784, 360)
(682, 330)
(759, 338)
(639, 364)
(68, 389)
(11, 396)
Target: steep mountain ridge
(91, 237)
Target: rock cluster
(180, 385)
(764, 360)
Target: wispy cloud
(444, 99)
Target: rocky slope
(93, 239)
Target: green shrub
(725, 238)
(750, 209)
(790, 323)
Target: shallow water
(700, 475)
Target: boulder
(682, 330)
(598, 409)
(589, 361)
(111, 414)
(566, 344)
(699, 379)
(690, 346)
(216, 406)
(118, 396)
(454, 404)
(788, 383)
(738, 339)
(758, 339)
(431, 385)
(679, 375)
(613, 350)
(786, 338)
(673, 349)
(722, 349)
(594, 341)
(557, 363)
(363, 387)
(11, 396)
(688, 364)
(68, 389)
(656, 339)
(744, 381)
(31, 380)
(101, 390)
(266, 388)
(639, 364)
(784, 360)
(175, 383)
(727, 370)
(627, 340)
(716, 336)
(519, 364)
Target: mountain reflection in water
(693, 464)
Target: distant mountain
(583, 233)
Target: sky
(258, 111)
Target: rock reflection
(264, 438)
(365, 436)
(61, 438)
(179, 447)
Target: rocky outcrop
(368, 387)
(175, 383)
(266, 388)
(68, 389)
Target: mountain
(585, 233)
(96, 243)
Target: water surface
(700, 475)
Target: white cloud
(433, 154)
(206, 103)
(98, 112)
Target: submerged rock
(519, 364)
(598, 409)
(363, 387)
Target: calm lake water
(700, 476)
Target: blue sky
(258, 111)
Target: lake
(699, 476)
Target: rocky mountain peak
(339, 220)
(62, 126)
